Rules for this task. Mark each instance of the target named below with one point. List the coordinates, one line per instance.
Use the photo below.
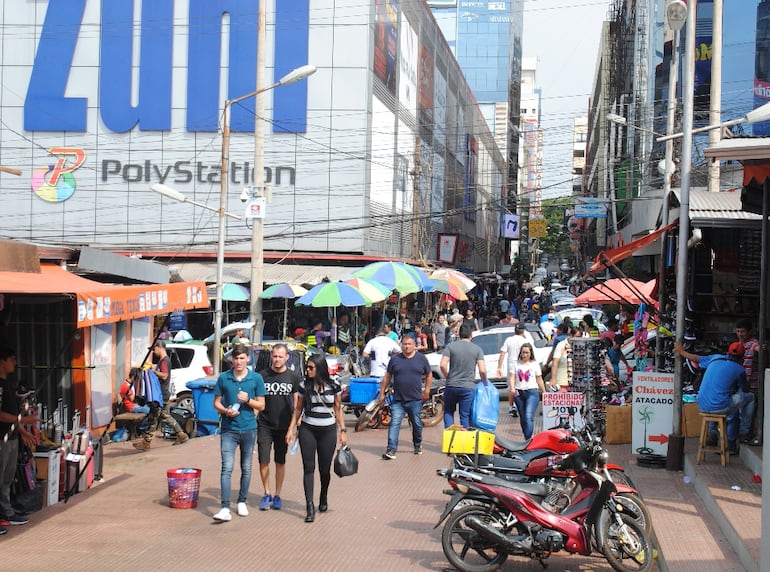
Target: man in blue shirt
(406, 370)
(238, 395)
(723, 391)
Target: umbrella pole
(285, 315)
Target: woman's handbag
(345, 463)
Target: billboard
(385, 42)
(439, 109)
(762, 65)
(407, 58)
(426, 88)
(471, 177)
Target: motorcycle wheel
(622, 478)
(634, 507)
(627, 547)
(365, 418)
(465, 548)
(432, 412)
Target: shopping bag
(486, 406)
(345, 463)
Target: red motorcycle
(489, 518)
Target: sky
(564, 37)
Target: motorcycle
(377, 414)
(489, 518)
(558, 441)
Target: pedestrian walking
(458, 366)
(238, 394)
(406, 372)
(526, 388)
(317, 415)
(281, 383)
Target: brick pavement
(380, 519)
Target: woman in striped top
(317, 414)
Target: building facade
(376, 154)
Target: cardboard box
(618, 424)
(48, 468)
(458, 440)
(691, 420)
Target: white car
(491, 340)
(189, 361)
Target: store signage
(136, 90)
(590, 207)
(653, 412)
(562, 409)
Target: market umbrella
(285, 291)
(399, 276)
(456, 275)
(618, 290)
(451, 287)
(234, 292)
(373, 290)
(333, 294)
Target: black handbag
(345, 463)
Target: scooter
(489, 518)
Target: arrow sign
(662, 439)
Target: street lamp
(173, 194)
(257, 229)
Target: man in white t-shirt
(379, 349)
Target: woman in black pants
(318, 414)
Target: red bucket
(183, 487)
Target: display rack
(588, 357)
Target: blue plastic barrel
(206, 416)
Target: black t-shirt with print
(280, 388)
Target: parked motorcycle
(377, 414)
(497, 518)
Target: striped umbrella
(451, 287)
(373, 290)
(333, 294)
(399, 276)
(456, 275)
(285, 291)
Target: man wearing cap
(723, 391)
(549, 325)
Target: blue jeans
(454, 398)
(397, 410)
(526, 402)
(229, 441)
(740, 414)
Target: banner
(653, 412)
(562, 408)
(510, 226)
(590, 207)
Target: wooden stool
(721, 446)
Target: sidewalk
(382, 518)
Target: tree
(556, 242)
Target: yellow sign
(537, 228)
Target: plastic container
(183, 487)
(206, 417)
(363, 389)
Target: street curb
(731, 535)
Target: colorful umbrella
(285, 291)
(333, 294)
(375, 291)
(399, 276)
(451, 287)
(456, 275)
(234, 292)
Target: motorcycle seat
(511, 445)
(532, 489)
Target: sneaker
(17, 519)
(418, 449)
(266, 502)
(277, 503)
(732, 451)
(513, 412)
(242, 510)
(223, 515)
(389, 455)
(746, 438)
(142, 445)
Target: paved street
(380, 519)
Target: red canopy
(613, 256)
(617, 291)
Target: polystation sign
(652, 412)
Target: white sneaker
(242, 510)
(223, 515)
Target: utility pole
(715, 103)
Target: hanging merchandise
(587, 365)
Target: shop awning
(240, 272)
(99, 303)
(615, 255)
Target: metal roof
(716, 210)
(240, 272)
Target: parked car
(491, 340)
(189, 361)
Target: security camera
(245, 195)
